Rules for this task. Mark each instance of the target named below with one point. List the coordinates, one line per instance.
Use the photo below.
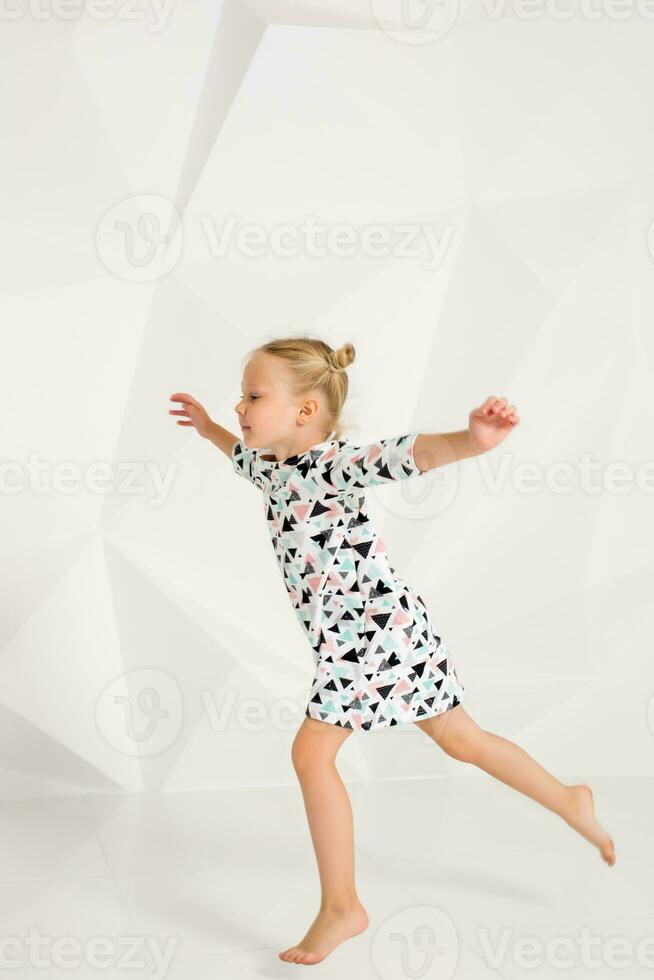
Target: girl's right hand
(193, 413)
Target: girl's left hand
(491, 422)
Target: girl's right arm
(244, 461)
(222, 438)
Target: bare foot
(581, 816)
(327, 931)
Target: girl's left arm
(489, 424)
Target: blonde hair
(315, 366)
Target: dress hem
(392, 722)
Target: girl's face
(269, 417)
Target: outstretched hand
(193, 413)
(491, 422)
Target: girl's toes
(608, 853)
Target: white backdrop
(492, 184)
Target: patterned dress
(378, 661)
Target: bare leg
(329, 813)
(458, 735)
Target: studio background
(148, 645)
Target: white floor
(448, 868)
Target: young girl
(378, 661)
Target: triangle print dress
(378, 661)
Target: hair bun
(342, 357)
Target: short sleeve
(384, 461)
(246, 463)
